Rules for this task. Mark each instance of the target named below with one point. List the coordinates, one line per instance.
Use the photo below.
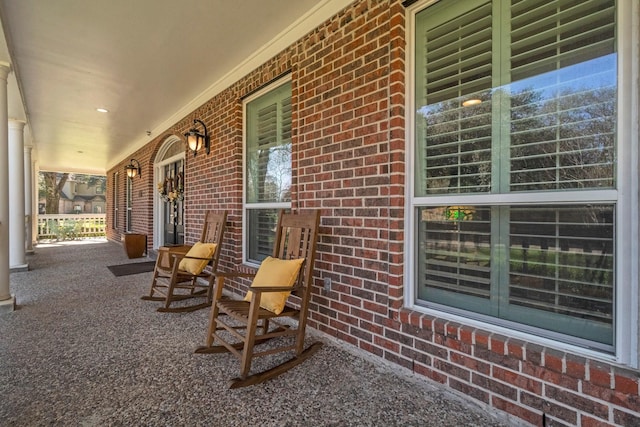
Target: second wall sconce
(133, 170)
(196, 140)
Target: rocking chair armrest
(174, 249)
(235, 274)
(182, 256)
(261, 289)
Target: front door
(173, 203)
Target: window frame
(247, 206)
(128, 197)
(625, 310)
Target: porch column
(17, 259)
(7, 301)
(28, 198)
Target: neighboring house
(79, 198)
(476, 165)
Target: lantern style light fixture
(133, 170)
(196, 140)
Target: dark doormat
(132, 268)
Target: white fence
(71, 226)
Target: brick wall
(348, 80)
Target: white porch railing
(71, 226)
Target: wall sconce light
(195, 140)
(133, 170)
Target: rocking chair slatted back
(213, 227)
(213, 232)
(295, 240)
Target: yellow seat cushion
(198, 250)
(275, 272)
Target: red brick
(625, 418)
(481, 339)
(430, 373)
(553, 362)
(519, 411)
(624, 384)
(587, 421)
(575, 367)
(600, 374)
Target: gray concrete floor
(82, 349)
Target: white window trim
(627, 236)
(245, 205)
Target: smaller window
(116, 199)
(129, 202)
(267, 171)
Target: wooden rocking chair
(178, 268)
(246, 324)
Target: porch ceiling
(149, 62)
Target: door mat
(132, 268)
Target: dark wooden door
(174, 206)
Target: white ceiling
(149, 62)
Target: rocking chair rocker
(178, 269)
(246, 324)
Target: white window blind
(563, 101)
(457, 68)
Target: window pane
(555, 110)
(261, 225)
(455, 69)
(563, 110)
(455, 255)
(561, 262)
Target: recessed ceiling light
(102, 110)
(470, 102)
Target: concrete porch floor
(82, 349)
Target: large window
(516, 197)
(267, 166)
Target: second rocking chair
(180, 272)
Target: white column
(7, 301)
(28, 198)
(17, 259)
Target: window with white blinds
(267, 166)
(116, 199)
(518, 98)
(129, 204)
